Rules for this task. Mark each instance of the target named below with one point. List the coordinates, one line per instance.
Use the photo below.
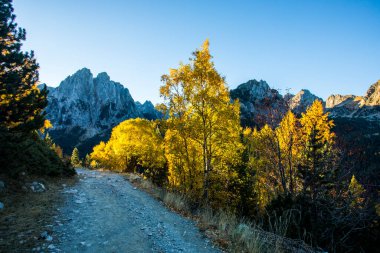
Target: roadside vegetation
(22, 117)
(224, 228)
(284, 180)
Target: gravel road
(104, 213)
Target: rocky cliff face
(372, 98)
(148, 111)
(83, 108)
(350, 106)
(259, 103)
(262, 105)
(302, 100)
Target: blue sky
(325, 46)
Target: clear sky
(325, 46)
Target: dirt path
(104, 213)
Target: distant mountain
(351, 106)
(302, 100)
(148, 111)
(259, 104)
(262, 105)
(84, 109)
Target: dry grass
(176, 202)
(27, 214)
(225, 229)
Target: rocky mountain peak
(75, 86)
(148, 111)
(253, 90)
(84, 107)
(302, 100)
(350, 106)
(340, 100)
(259, 104)
(373, 95)
(103, 77)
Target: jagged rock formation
(84, 109)
(302, 100)
(92, 104)
(148, 111)
(372, 98)
(350, 106)
(340, 100)
(262, 105)
(259, 103)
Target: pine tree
(21, 102)
(75, 160)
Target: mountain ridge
(85, 107)
(261, 104)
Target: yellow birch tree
(203, 121)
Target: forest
(291, 170)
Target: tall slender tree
(202, 114)
(75, 160)
(21, 102)
(316, 167)
(288, 136)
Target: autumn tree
(21, 103)
(317, 153)
(356, 192)
(288, 139)
(260, 166)
(203, 134)
(58, 150)
(136, 145)
(48, 140)
(99, 156)
(75, 160)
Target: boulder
(37, 187)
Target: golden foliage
(356, 191)
(204, 126)
(275, 155)
(134, 143)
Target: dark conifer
(21, 102)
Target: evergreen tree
(75, 160)
(21, 103)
